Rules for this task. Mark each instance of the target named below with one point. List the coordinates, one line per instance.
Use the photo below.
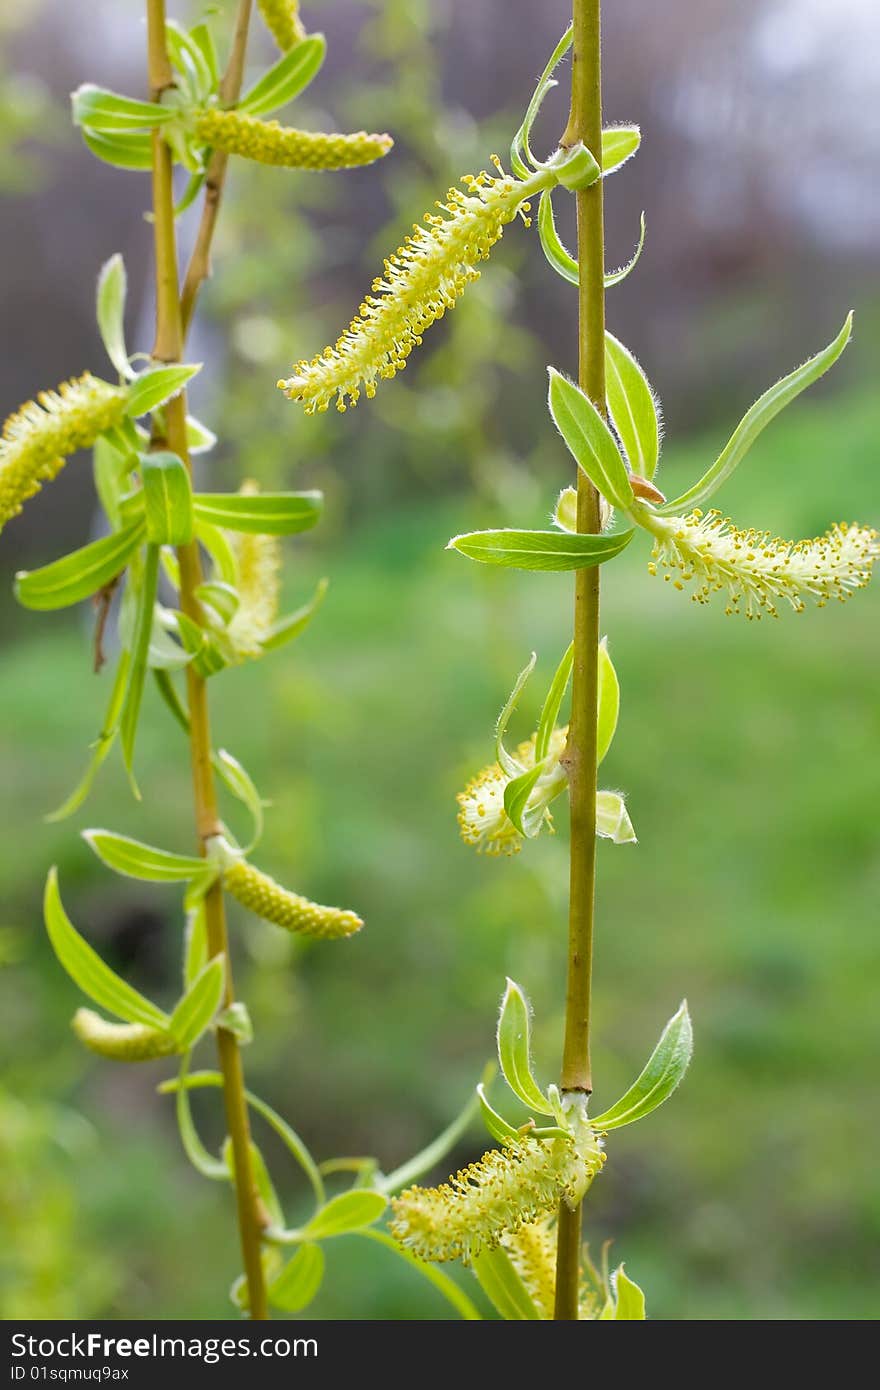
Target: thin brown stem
(199, 268)
(169, 348)
(585, 124)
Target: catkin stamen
(757, 570)
(40, 436)
(281, 18)
(482, 819)
(259, 588)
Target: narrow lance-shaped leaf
(516, 797)
(630, 1301)
(286, 78)
(136, 860)
(619, 143)
(350, 1211)
(203, 1161)
(155, 386)
(299, 1281)
(503, 1287)
(110, 309)
(521, 140)
(103, 743)
(664, 1070)
(434, 1152)
(609, 702)
(293, 624)
(195, 943)
(632, 408)
(756, 419)
(550, 711)
(562, 261)
(139, 654)
(540, 550)
(500, 1130)
(103, 110)
(124, 149)
(167, 499)
(589, 439)
(261, 513)
(86, 968)
(514, 1052)
(80, 574)
(199, 1004)
(509, 765)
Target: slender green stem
(585, 124)
(168, 348)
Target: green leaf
(540, 550)
(203, 38)
(289, 627)
(124, 149)
(80, 574)
(632, 407)
(203, 1161)
(503, 1287)
(516, 798)
(110, 308)
(500, 1130)
(510, 765)
(194, 185)
(579, 168)
(146, 600)
(286, 78)
(191, 61)
(199, 439)
(609, 702)
(521, 140)
(261, 513)
(103, 110)
(207, 655)
(102, 745)
(236, 1020)
(222, 599)
(216, 542)
(552, 703)
(619, 143)
(195, 943)
(167, 499)
(614, 277)
(562, 261)
(155, 386)
(110, 470)
(86, 968)
(350, 1211)
(589, 439)
(136, 860)
(756, 419)
(514, 1050)
(199, 1004)
(299, 1281)
(612, 819)
(630, 1301)
(442, 1282)
(664, 1070)
(239, 781)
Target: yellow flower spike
(505, 1190)
(122, 1042)
(756, 569)
(281, 18)
(263, 896)
(38, 438)
(532, 1251)
(259, 587)
(425, 277)
(268, 142)
(482, 819)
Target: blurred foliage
(748, 753)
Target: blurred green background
(748, 751)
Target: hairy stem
(168, 348)
(585, 123)
(199, 267)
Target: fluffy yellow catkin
(482, 819)
(259, 586)
(505, 1190)
(268, 142)
(122, 1042)
(281, 18)
(263, 896)
(756, 569)
(532, 1251)
(424, 278)
(38, 438)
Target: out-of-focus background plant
(757, 1195)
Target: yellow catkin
(281, 18)
(259, 587)
(268, 142)
(39, 437)
(424, 278)
(482, 819)
(755, 569)
(263, 896)
(122, 1042)
(532, 1251)
(505, 1190)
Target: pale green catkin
(121, 1042)
(268, 142)
(281, 18)
(267, 899)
